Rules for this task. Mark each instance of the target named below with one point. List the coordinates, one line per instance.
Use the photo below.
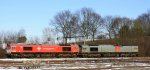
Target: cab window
(94, 49)
(13, 47)
(66, 49)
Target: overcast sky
(34, 15)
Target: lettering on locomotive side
(48, 48)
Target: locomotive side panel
(85, 49)
(135, 49)
(129, 49)
(15, 48)
(75, 49)
(126, 49)
(107, 48)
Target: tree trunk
(65, 40)
(109, 35)
(93, 36)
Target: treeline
(89, 24)
(20, 36)
(13, 36)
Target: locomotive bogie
(43, 55)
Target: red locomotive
(27, 50)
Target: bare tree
(2, 35)
(21, 33)
(89, 22)
(64, 22)
(118, 23)
(74, 27)
(145, 19)
(9, 37)
(137, 30)
(34, 40)
(13, 36)
(47, 34)
(21, 36)
(95, 24)
(107, 24)
(84, 15)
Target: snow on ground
(76, 64)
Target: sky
(35, 15)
